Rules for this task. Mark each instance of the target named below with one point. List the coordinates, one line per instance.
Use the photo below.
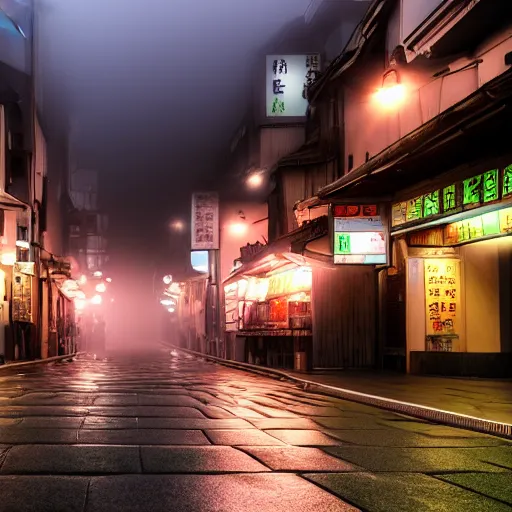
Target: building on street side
(425, 109)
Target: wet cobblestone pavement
(169, 433)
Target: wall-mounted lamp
(392, 93)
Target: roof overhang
(470, 128)
(8, 202)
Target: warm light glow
(22, 244)
(177, 225)
(167, 302)
(109, 279)
(8, 259)
(255, 180)
(167, 279)
(98, 273)
(101, 287)
(82, 280)
(257, 289)
(238, 228)
(390, 97)
(97, 300)
(80, 304)
(171, 310)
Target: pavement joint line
(48, 360)
(440, 416)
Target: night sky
(154, 91)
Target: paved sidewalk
(157, 431)
(485, 399)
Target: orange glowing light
(390, 97)
(101, 287)
(238, 229)
(97, 300)
(255, 180)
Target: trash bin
(301, 362)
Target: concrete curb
(415, 410)
(49, 360)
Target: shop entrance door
(394, 353)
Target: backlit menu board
(442, 295)
(359, 236)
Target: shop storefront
(269, 312)
(454, 248)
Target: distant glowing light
(238, 228)
(177, 225)
(22, 244)
(171, 310)
(98, 273)
(255, 180)
(8, 259)
(167, 302)
(80, 304)
(97, 300)
(101, 287)
(390, 97)
(167, 279)
(109, 279)
(83, 279)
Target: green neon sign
(490, 186)
(472, 190)
(431, 204)
(449, 198)
(507, 181)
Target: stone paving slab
(211, 493)
(71, 460)
(43, 493)
(304, 437)
(285, 423)
(486, 399)
(414, 460)
(16, 435)
(251, 437)
(57, 422)
(194, 423)
(492, 485)
(205, 459)
(404, 492)
(169, 400)
(142, 437)
(149, 411)
(294, 458)
(398, 438)
(361, 422)
(109, 422)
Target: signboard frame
(205, 221)
(358, 213)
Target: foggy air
(245, 249)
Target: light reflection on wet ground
(153, 431)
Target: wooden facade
(344, 317)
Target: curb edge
(440, 416)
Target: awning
(477, 127)
(286, 252)
(8, 202)
(307, 154)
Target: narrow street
(163, 432)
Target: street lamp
(177, 225)
(255, 180)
